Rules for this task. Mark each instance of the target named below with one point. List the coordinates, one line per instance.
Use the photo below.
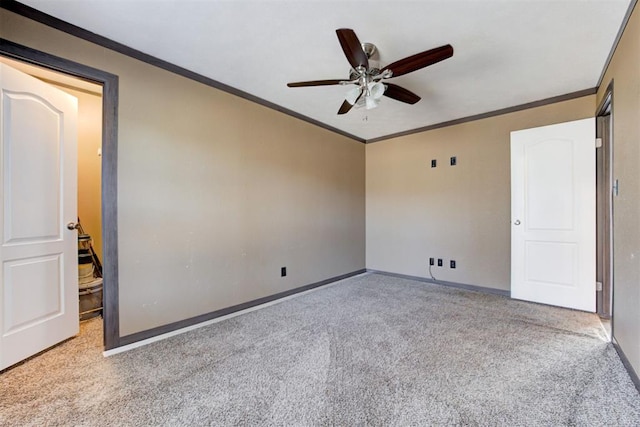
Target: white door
(553, 215)
(38, 254)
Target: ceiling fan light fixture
(373, 93)
(376, 90)
(352, 95)
(371, 102)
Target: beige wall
(624, 70)
(453, 212)
(216, 193)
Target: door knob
(517, 222)
(73, 226)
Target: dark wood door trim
(109, 84)
(604, 199)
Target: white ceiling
(507, 52)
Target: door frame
(605, 225)
(109, 185)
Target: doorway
(108, 161)
(89, 151)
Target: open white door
(38, 254)
(553, 211)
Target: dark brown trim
(540, 103)
(604, 206)
(111, 296)
(625, 21)
(58, 24)
(150, 333)
(606, 100)
(481, 289)
(109, 84)
(627, 365)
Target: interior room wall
(624, 71)
(460, 212)
(216, 193)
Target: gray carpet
(371, 350)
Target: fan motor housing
(372, 54)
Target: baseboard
(148, 336)
(475, 288)
(623, 357)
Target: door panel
(44, 275)
(22, 216)
(38, 254)
(549, 170)
(551, 263)
(553, 215)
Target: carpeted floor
(371, 350)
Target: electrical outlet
(453, 161)
(439, 262)
(452, 264)
(283, 271)
(431, 261)
(433, 163)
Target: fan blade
(346, 105)
(352, 48)
(344, 108)
(420, 60)
(400, 94)
(315, 83)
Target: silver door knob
(73, 226)
(517, 222)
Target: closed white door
(553, 214)
(38, 253)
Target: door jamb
(605, 219)
(109, 82)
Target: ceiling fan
(368, 80)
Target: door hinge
(598, 142)
(598, 286)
